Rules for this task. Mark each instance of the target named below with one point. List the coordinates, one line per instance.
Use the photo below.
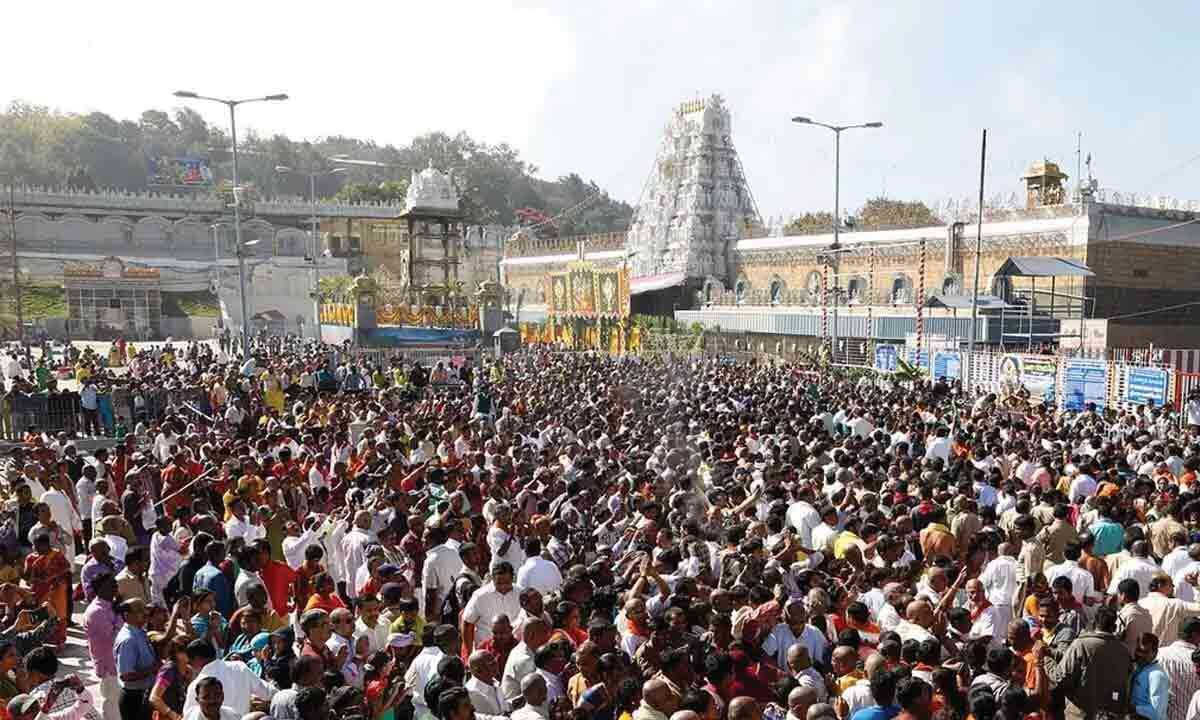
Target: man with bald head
(799, 700)
(918, 618)
(483, 686)
(1000, 579)
(744, 708)
(658, 702)
(520, 660)
(799, 663)
(984, 618)
(533, 690)
(822, 711)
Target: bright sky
(587, 86)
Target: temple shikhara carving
(696, 203)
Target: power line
(1154, 311)
(1174, 169)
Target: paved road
(74, 658)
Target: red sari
(47, 575)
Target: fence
(61, 412)
(1065, 382)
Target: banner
(947, 364)
(885, 358)
(1084, 381)
(177, 171)
(587, 291)
(1143, 385)
(1037, 374)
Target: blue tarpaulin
(417, 336)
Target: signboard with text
(947, 364)
(885, 358)
(1084, 381)
(1144, 385)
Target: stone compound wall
(153, 236)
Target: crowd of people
(574, 536)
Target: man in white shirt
(210, 702)
(984, 618)
(1000, 580)
(1173, 561)
(535, 694)
(354, 549)
(164, 444)
(1139, 567)
(442, 566)
(497, 597)
(1083, 486)
(939, 446)
(802, 516)
(483, 686)
(240, 526)
(538, 572)
(368, 624)
(520, 661)
(63, 512)
(424, 668)
(1083, 584)
(794, 630)
(502, 540)
(239, 681)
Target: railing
(209, 202)
(61, 412)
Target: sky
(586, 86)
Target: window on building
(114, 304)
(355, 244)
(740, 291)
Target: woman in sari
(325, 597)
(48, 571)
(170, 685)
(566, 619)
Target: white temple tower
(696, 203)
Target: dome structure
(431, 189)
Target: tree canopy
(43, 146)
(877, 214)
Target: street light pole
(12, 229)
(237, 235)
(314, 238)
(237, 203)
(837, 220)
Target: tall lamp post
(837, 220)
(237, 201)
(16, 268)
(313, 174)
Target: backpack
(453, 605)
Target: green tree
(885, 213)
(387, 191)
(45, 147)
(810, 224)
